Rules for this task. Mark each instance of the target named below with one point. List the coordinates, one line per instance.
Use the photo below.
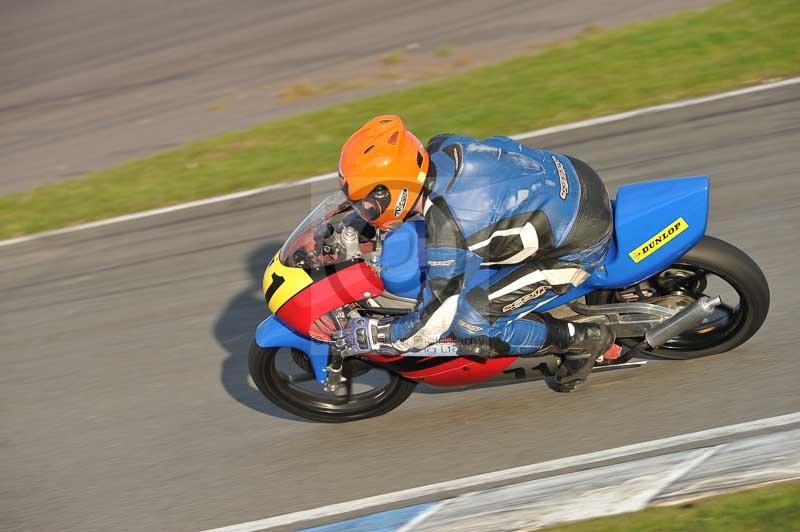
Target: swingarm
(656, 323)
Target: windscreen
(330, 234)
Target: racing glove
(365, 335)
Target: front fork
(335, 377)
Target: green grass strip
(733, 44)
(770, 508)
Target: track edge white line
(422, 517)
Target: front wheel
(712, 267)
(285, 377)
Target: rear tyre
(375, 390)
(730, 325)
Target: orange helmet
(381, 171)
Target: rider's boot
(579, 345)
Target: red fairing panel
(445, 371)
(340, 288)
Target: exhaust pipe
(687, 318)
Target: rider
(541, 220)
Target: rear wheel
(285, 377)
(712, 267)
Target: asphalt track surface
(124, 397)
(85, 84)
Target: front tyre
(285, 377)
(711, 267)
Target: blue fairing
(273, 333)
(642, 211)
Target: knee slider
(468, 322)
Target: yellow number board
(282, 282)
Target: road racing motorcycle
(668, 290)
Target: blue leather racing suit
(540, 220)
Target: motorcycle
(659, 287)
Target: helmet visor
(373, 204)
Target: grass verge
(774, 507)
(733, 44)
